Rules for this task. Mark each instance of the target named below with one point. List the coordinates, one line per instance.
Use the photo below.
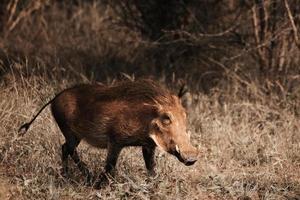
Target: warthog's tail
(24, 128)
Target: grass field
(247, 149)
(249, 140)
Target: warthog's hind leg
(69, 148)
(82, 167)
(113, 152)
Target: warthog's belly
(99, 141)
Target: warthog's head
(169, 132)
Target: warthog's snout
(190, 161)
(188, 157)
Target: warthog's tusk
(189, 134)
(177, 148)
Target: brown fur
(129, 113)
(120, 111)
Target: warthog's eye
(166, 119)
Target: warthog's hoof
(152, 173)
(101, 182)
(64, 173)
(89, 179)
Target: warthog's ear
(182, 91)
(184, 96)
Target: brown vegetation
(240, 60)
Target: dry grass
(247, 149)
(249, 141)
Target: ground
(248, 150)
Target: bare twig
(295, 30)
(259, 36)
(14, 17)
(11, 9)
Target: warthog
(128, 113)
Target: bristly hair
(142, 89)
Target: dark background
(204, 42)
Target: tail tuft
(23, 129)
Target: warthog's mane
(142, 90)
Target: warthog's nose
(190, 161)
(188, 157)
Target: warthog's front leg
(148, 154)
(82, 167)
